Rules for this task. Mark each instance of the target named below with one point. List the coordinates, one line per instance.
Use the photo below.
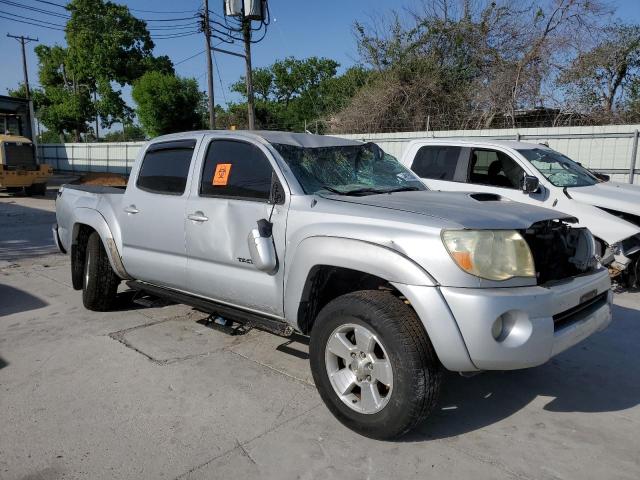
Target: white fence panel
(116, 157)
(608, 149)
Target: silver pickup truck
(337, 240)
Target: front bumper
(512, 328)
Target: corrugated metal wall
(605, 148)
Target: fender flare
(93, 219)
(359, 255)
(415, 283)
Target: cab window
(165, 167)
(236, 169)
(490, 167)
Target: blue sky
(298, 28)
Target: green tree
(288, 93)
(168, 103)
(107, 48)
(129, 133)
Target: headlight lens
(490, 254)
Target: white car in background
(535, 174)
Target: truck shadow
(601, 374)
(25, 231)
(16, 300)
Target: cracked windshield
(558, 169)
(348, 170)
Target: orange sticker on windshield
(221, 175)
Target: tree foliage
(106, 48)
(167, 103)
(464, 64)
(597, 79)
(292, 92)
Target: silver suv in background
(337, 240)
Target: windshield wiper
(369, 190)
(403, 189)
(331, 189)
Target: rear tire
(100, 282)
(404, 392)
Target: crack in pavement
(241, 445)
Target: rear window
(436, 162)
(165, 170)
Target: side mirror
(530, 184)
(601, 176)
(276, 195)
(261, 247)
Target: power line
(224, 95)
(52, 3)
(189, 58)
(177, 35)
(36, 9)
(163, 12)
(34, 19)
(31, 23)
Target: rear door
(230, 194)
(153, 220)
(441, 167)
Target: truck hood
(622, 197)
(469, 210)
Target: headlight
(490, 254)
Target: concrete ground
(152, 393)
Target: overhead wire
(189, 58)
(30, 23)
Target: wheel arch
(339, 266)
(88, 220)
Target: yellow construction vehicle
(19, 167)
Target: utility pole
(95, 103)
(246, 32)
(23, 40)
(207, 37)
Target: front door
(232, 194)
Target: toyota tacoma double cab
(335, 239)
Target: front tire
(373, 364)
(100, 282)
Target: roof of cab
(304, 140)
(478, 141)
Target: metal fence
(611, 149)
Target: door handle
(131, 209)
(198, 217)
